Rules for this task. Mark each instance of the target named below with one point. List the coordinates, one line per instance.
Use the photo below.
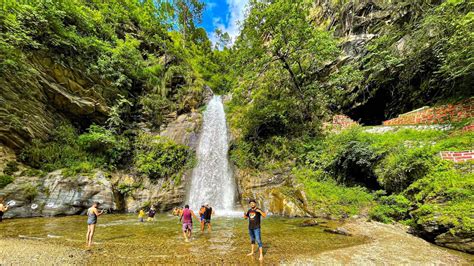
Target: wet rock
(306, 223)
(339, 231)
(274, 191)
(463, 241)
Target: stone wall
(338, 123)
(457, 156)
(443, 114)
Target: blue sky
(223, 14)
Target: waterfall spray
(212, 180)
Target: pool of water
(122, 239)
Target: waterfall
(212, 180)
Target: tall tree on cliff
(280, 51)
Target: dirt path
(390, 245)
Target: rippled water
(122, 239)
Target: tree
(188, 13)
(281, 52)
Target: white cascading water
(212, 180)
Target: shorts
(206, 221)
(255, 236)
(187, 226)
(91, 221)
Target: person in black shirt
(208, 212)
(254, 215)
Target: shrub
(393, 207)
(354, 165)
(159, 157)
(99, 147)
(445, 197)
(399, 169)
(5, 180)
(10, 168)
(60, 151)
(127, 189)
(99, 140)
(29, 191)
(329, 197)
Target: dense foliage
(148, 60)
(423, 56)
(287, 72)
(158, 157)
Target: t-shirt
(254, 218)
(207, 213)
(151, 213)
(187, 216)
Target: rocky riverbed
(121, 239)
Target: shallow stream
(122, 239)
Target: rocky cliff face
(56, 194)
(32, 105)
(378, 42)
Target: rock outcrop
(274, 192)
(31, 107)
(56, 194)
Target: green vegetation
(158, 157)
(144, 60)
(98, 147)
(143, 63)
(438, 70)
(329, 197)
(5, 180)
(127, 189)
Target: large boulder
(274, 192)
(55, 194)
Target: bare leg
(202, 226)
(261, 253)
(253, 248)
(91, 234)
(209, 227)
(185, 235)
(88, 233)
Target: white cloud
(211, 5)
(235, 17)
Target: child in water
(141, 215)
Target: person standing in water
(208, 212)
(187, 218)
(141, 215)
(3, 209)
(92, 214)
(253, 215)
(151, 215)
(201, 216)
